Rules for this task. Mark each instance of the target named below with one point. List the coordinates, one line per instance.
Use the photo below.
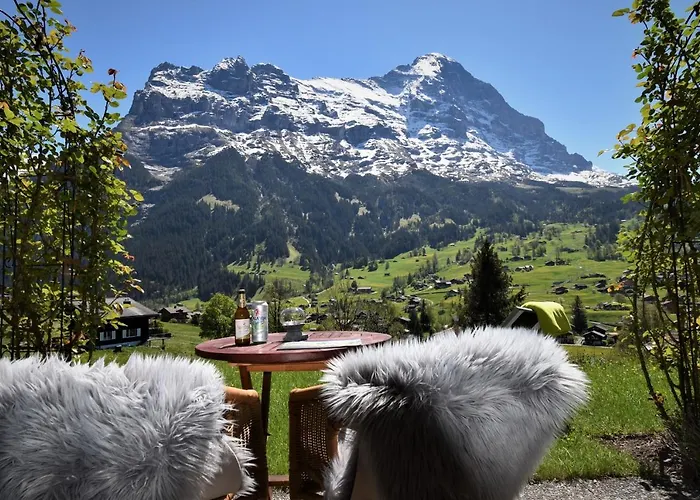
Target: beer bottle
(241, 320)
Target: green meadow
(539, 283)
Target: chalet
(550, 263)
(669, 306)
(178, 312)
(451, 293)
(626, 282)
(595, 336)
(134, 329)
(459, 281)
(561, 290)
(611, 306)
(580, 286)
(443, 284)
(650, 299)
(363, 289)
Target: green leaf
(68, 125)
(137, 196)
(9, 114)
(620, 12)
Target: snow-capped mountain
(431, 114)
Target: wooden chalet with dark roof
(134, 328)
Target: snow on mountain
(431, 114)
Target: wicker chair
(313, 441)
(247, 426)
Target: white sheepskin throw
(151, 429)
(455, 417)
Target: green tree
(64, 209)
(217, 319)
(378, 316)
(665, 163)
(579, 321)
(344, 308)
(396, 329)
(277, 294)
(488, 299)
(414, 326)
(426, 319)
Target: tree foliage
(277, 202)
(277, 293)
(579, 320)
(63, 207)
(217, 319)
(488, 299)
(665, 154)
(426, 318)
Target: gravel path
(604, 489)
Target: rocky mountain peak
(231, 75)
(431, 114)
(432, 64)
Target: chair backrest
(246, 426)
(312, 443)
(465, 416)
(152, 428)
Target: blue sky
(567, 63)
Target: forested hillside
(230, 210)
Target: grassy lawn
(618, 406)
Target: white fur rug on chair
(456, 417)
(150, 429)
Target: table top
(268, 353)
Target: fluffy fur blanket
(456, 417)
(151, 429)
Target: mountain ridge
(431, 114)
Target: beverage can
(258, 321)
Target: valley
(540, 283)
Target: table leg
(246, 382)
(265, 401)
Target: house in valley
(178, 312)
(132, 327)
(595, 336)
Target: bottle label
(242, 328)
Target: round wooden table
(268, 358)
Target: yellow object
(551, 316)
